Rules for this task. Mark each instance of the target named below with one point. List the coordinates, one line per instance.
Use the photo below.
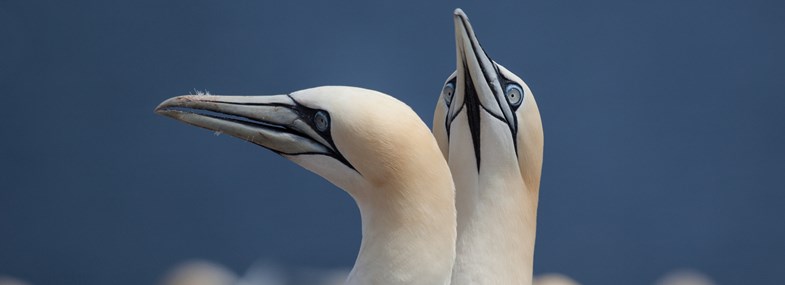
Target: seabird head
(367, 143)
(486, 115)
(350, 136)
(488, 127)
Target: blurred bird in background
(199, 272)
(6, 280)
(553, 279)
(685, 277)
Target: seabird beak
(473, 65)
(477, 84)
(274, 122)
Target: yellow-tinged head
(367, 143)
(486, 117)
(354, 137)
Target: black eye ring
(514, 94)
(448, 91)
(321, 121)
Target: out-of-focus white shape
(264, 273)
(685, 277)
(325, 277)
(6, 280)
(553, 279)
(199, 272)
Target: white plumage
(367, 143)
(488, 127)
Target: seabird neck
(409, 233)
(497, 216)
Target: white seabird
(367, 143)
(488, 127)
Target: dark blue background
(664, 126)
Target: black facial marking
(448, 120)
(513, 122)
(472, 103)
(306, 114)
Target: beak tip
(163, 108)
(158, 109)
(459, 13)
(163, 111)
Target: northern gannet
(488, 127)
(367, 143)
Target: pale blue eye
(514, 94)
(321, 121)
(448, 91)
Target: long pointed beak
(477, 86)
(474, 66)
(273, 122)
